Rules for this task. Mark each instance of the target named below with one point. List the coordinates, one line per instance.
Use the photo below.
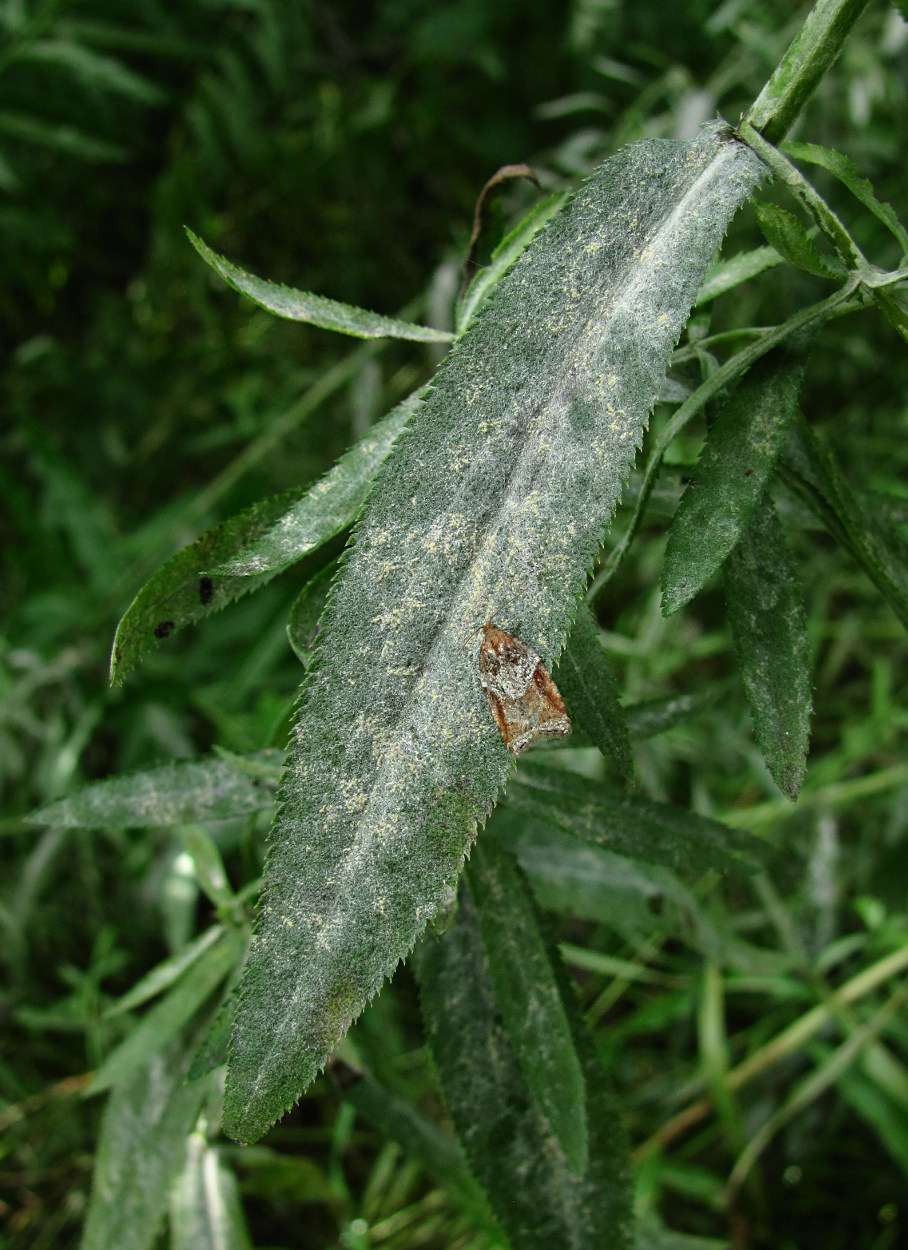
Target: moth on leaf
(524, 700)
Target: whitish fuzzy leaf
(766, 611)
(306, 612)
(850, 516)
(740, 451)
(725, 275)
(206, 1212)
(627, 823)
(190, 993)
(141, 1150)
(585, 680)
(573, 878)
(493, 501)
(317, 310)
(182, 591)
(844, 168)
(532, 1011)
(174, 794)
(533, 1191)
(328, 507)
(789, 237)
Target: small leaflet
(524, 700)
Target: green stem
(793, 82)
(809, 318)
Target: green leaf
(627, 823)
(92, 69)
(532, 1012)
(585, 680)
(329, 507)
(494, 500)
(206, 1211)
(789, 237)
(182, 591)
(844, 168)
(766, 611)
(165, 974)
(59, 137)
(851, 517)
(141, 1150)
(317, 310)
(727, 274)
(737, 459)
(507, 251)
(306, 612)
(539, 1201)
(190, 993)
(174, 794)
(894, 312)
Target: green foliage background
(340, 148)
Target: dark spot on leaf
(656, 904)
(163, 629)
(747, 472)
(206, 589)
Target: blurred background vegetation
(340, 147)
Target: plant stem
(793, 82)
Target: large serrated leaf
(769, 624)
(533, 1191)
(740, 451)
(586, 682)
(531, 1007)
(493, 502)
(174, 794)
(317, 310)
(328, 507)
(628, 823)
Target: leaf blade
(317, 310)
(585, 680)
(769, 626)
(495, 498)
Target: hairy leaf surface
(327, 507)
(585, 680)
(740, 451)
(789, 237)
(539, 1201)
(627, 823)
(532, 1010)
(769, 624)
(317, 310)
(493, 501)
(209, 789)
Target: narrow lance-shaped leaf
(494, 500)
(852, 518)
(328, 507)
(539, 1201)
(628, 823)
(142, 1149)
(741, 448)
(174, 794)
(317, 310)
(766, 611)
(790, 239)
(586, 682)
(532, 1011)
(725, 275)
(844, 168)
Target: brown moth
(524, 700)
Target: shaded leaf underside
(493, 502)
